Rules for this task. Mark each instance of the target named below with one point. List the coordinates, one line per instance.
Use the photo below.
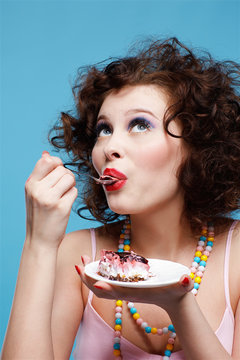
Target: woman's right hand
(50, 193)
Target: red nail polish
(98, 287)
(82, 260)
(78, 270)
(185, 281)
(28, 179)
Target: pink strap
(226, 264)
(94, 247)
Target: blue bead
(202, 263)
(120, 250)
(126, 242)
(209, 243)
(203, 238)
(133, 310)
(197, 259)
(167, 353)
(196, 286)
(148, 329)
(116, 346)
(171, 328)
(118, 321)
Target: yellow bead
(126, 248)
(136, 316)
(191, 275)
(153, 330)
(119, 302)
(169, 347)
(116, 352)
(198, 253)
(204, 257)
(128, 226)
(198, 279)
(118, 327)
(204, 232)
(210, 238)
(122, 236)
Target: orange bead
(169, 347)
(116, 352)
(204, 232)
(128, 226)
(136, 316)
(198, 253)
(210, 238)
(191, 275)
(204, 257)
(122, 236)
(153, 330)
(198, 280)
(118, 327)
(126, 248)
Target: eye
(140, 125)
(103, 129)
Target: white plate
(165, 273)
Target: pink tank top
(95, 337)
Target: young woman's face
(131, 139)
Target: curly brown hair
(203, 96)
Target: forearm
(197, 339)
(29, 331)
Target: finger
(63, 185)
(44, 166)
(186, 282)
(85, 259)
(69, 197)
(55, 175)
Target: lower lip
(116, 186)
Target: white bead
(165, 330)
(172, 335)
(121, 246)
(130, 305)
(209, 248)
(144, 324)
(194, 291)
(195, 264)
(118, 315)
(166, 357)
(117, 340)
(201, 243)
(201, 268)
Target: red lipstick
(120, 177)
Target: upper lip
(114, 173)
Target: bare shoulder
(234, 267)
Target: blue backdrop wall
(42, 45)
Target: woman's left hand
(164, 296)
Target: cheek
(96, 160)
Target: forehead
(149, 97)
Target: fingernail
(28, 179)
(185, 281)
(45, 152)
(83, 260)
(78, 270)
(98, 287)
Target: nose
(113, 149)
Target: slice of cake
(123, 266)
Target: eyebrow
(104, 117)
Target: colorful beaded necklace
(204, 248)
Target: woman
(165, 123)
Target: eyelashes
(138, 124)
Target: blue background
(42, 45)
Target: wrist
(39, 250)
(181, 306)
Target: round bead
(120, 246)
(194, 291)
(204, 232)
(197, 259)
(118, 315)
(194, 264)
(121, 241)
(165, 330)
(209, 248)
(171, 328)
(207, 253)
(171, 341)
(116, 346)
(148, 329)
(200, 274)
(209, 243)
(117, 333)
(118, 309)
(198, 280)
(126, 248)
(196, 286)
(210, 238)
(199, 248)
(130, 305)
(169, 347)
(193, 269)
(119, 302)
(144, 324)
(167, 353)
(204, 258)
(136, 316)
(117, 340)
(198, 253)
(126, 242)
(133, 310)
(118, 321)
(120, 250)
(191, 275)
(159, 331)
(202, 263)
(201, 268)
(203, 238)
(201, 243)
(128, 226)
(154, 330)
(139, 321)
(172, 335)
(118, 327)
(122, 236)
(116, 352)
(166, 357)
